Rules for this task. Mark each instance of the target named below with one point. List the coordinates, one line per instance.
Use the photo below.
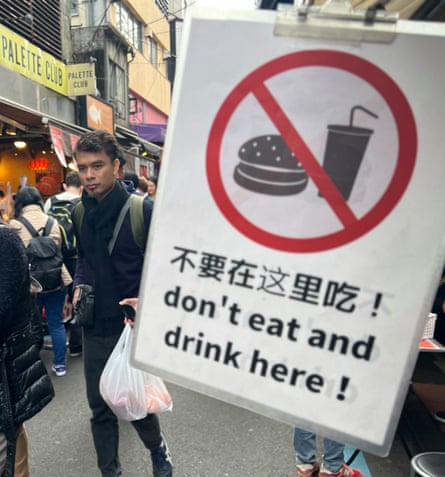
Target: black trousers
(104, 424)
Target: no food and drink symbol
(289, 162)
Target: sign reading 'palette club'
(295, 199)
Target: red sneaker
(344, 471)
(306, 470)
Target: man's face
(97, 173)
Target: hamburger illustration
(268, 166)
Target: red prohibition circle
(407, 150)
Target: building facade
(128, 40)
(67, 66)
(37, 115)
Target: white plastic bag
(130, 392)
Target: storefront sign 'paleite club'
(296, 242)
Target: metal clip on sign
(336, 20)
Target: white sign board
(297, 238)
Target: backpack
(136, 205)
(44, 256)
(61, 211)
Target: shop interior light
(20, 144)
(72, 166)
(10, 130)
(38, 164)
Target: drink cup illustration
(345, 149)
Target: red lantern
(38, 164)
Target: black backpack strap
(48, 226)
(118, 225)
(77, 216)
(28, 226)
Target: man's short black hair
(98, 141)
(72, 179)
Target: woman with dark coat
(25, 386)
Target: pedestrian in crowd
(60, 207)
(29, 205)
(333, 464)
(142, 187)
(439, 308)
(25, 387)
(152, 186)
(439, 329)
(132, 178)
(115, 277)
(2, 205)
(6, 203)
(72, 190)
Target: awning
(131, 138)
(151, 132)
(62, 134)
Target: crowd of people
(100, 190)
(97, 194)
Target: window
(133, 104)
(74, 8)
(129, 26)
(153, 51)
(117, 90)
(45, 29)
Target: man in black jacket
(114, 276)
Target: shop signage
(81, 79)
(57, 140)
(21, 56)
(99, 115)
(291, 282)
(95, 113)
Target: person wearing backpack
(50, 271)
(60, 206)
(111, 261)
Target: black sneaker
(440, 416)
(160, 458)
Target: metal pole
(172, 59)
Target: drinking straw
(354, 108)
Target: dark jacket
(439, 331)
(126, 260)
(25, 387)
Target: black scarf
(102, 217)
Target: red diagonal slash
(297, 145)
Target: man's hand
(129, 306)
(75, 297)
(130, 301)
